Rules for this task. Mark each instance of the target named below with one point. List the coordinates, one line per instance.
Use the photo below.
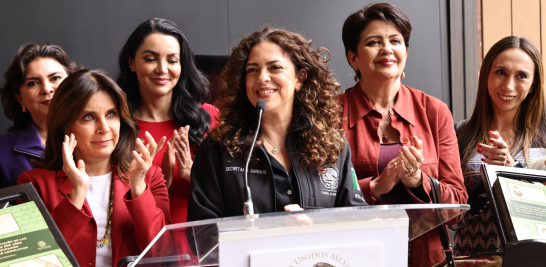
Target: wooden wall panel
(526, 20)
(496, 21)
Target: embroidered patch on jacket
(330, 179)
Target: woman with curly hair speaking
(301, 158)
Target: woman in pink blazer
(107, 199)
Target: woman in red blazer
(108, 200)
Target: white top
(97, 198)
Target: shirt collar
(29, 140)
(359, 106)
(404, 105)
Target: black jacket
(217, 180)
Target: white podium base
(347, 244)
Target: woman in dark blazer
(108, 200)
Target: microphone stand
(248, 206)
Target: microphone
(248, 207)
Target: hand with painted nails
(141, 163)
(183, 153)
(411, 159)
(497, 152)
(76, 173)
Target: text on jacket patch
(241, 169)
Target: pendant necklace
(274, 150)
(510, 140)
(104, 240)
(384, 137)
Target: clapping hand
(411, 159)
(76, 174)
(183, 153)
(169, 160)
(388, 178)
(141, 164)
(497, 153)
(177, 153)
(404, 168)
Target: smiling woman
(31, 81)
(301, 159)
(399, 135)
(507, 128)
(166, 94)
(116, 201)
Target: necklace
(104, 240)
(384, 137)
(274, 150)
(509, 140)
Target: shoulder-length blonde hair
(319, 145)
(530, 118)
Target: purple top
(16, 150)
(387, 152)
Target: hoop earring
(402, 76)
(24, 108)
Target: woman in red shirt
(108, 201)
(166, 92)
(398, 134)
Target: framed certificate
(28, 234)
(518, 201)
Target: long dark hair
(191, 91)
(530, 119)
(15, 77)
(69, 101)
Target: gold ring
(410, 170)
(396, 164)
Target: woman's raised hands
(141, 163)
(498, 153)
(76, 174)
(177, 153)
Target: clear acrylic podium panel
(172, 247)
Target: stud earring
(132, 70)
(24, 108)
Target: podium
(373, 235)
(522, 252)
